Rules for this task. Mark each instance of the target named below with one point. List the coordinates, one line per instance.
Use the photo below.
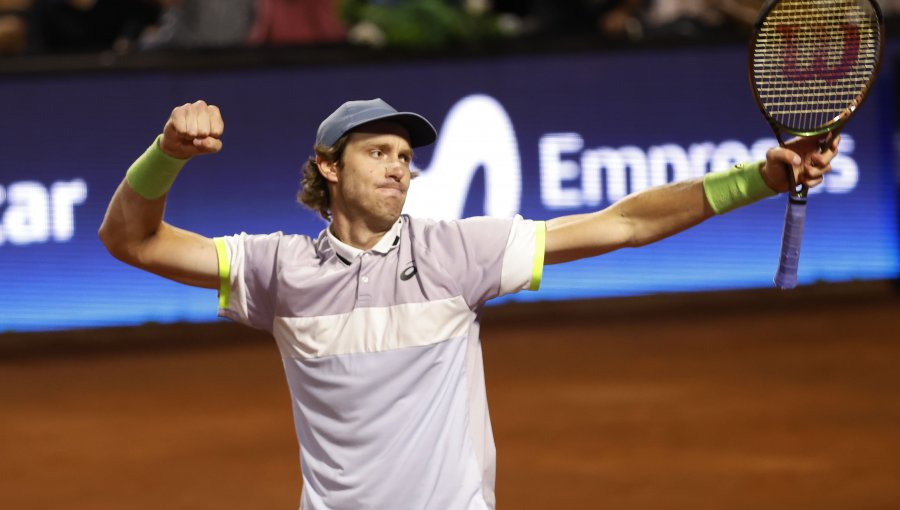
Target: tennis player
(377, 318)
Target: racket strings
(814, 60)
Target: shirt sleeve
(247, 278)
(523, 258)
(496, 256)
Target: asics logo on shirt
(409, 272)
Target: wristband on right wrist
(742, 185)
(152, 174)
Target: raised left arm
(656, 213)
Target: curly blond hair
(313, 186)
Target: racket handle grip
(786, 276)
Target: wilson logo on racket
(821, 65)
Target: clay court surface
(713, 402)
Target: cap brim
(421, 132)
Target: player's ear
(328, 169)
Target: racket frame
(786, 275)
(841, 119)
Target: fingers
(178, 120)
(788, 158)
(833, 141)
(216, 124)
(808, 158)
(198, 120)
(193, 128)
(816, 155)
(193, 118)
(208, 144)
(816, 168)
(818, 164)
(773, 171)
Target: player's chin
(391, 208)
(393, 200)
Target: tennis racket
(812, 62)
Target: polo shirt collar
(347, 253)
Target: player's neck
(358, 234)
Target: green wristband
(152, 174)
(735, 188)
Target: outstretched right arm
(133, 229)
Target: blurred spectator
(416, 23)
(201, 24)
(740, 14)
(697, 19)
(13, 26)
(552, 17)
(289, 22)
(35, 26)
(889, 7)
(90, 25)
(891, 11)
(680, 18)
(622, 21)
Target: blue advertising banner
(540, 136)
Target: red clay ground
(721, 402)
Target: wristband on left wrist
(740, 186)
(152, 174)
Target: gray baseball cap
(353, 114)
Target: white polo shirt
(382, 353)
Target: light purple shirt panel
(296, 276)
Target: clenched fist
(193, 129)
